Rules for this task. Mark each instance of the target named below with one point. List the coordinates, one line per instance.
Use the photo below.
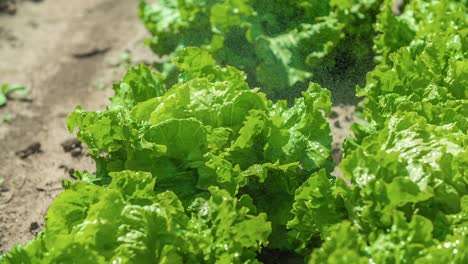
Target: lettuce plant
(407, 202)
(227, 162)
(281, 45)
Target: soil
(67, 53)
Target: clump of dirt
(34, 148)
(74, 147)
(10, 6)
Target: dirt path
(39, 47)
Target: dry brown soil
(39, 46)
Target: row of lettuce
(409, 197)
(280, 45)
(195, 165)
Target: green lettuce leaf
(127, 222)
(428, 77)
(344, 244)
(316, 207)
